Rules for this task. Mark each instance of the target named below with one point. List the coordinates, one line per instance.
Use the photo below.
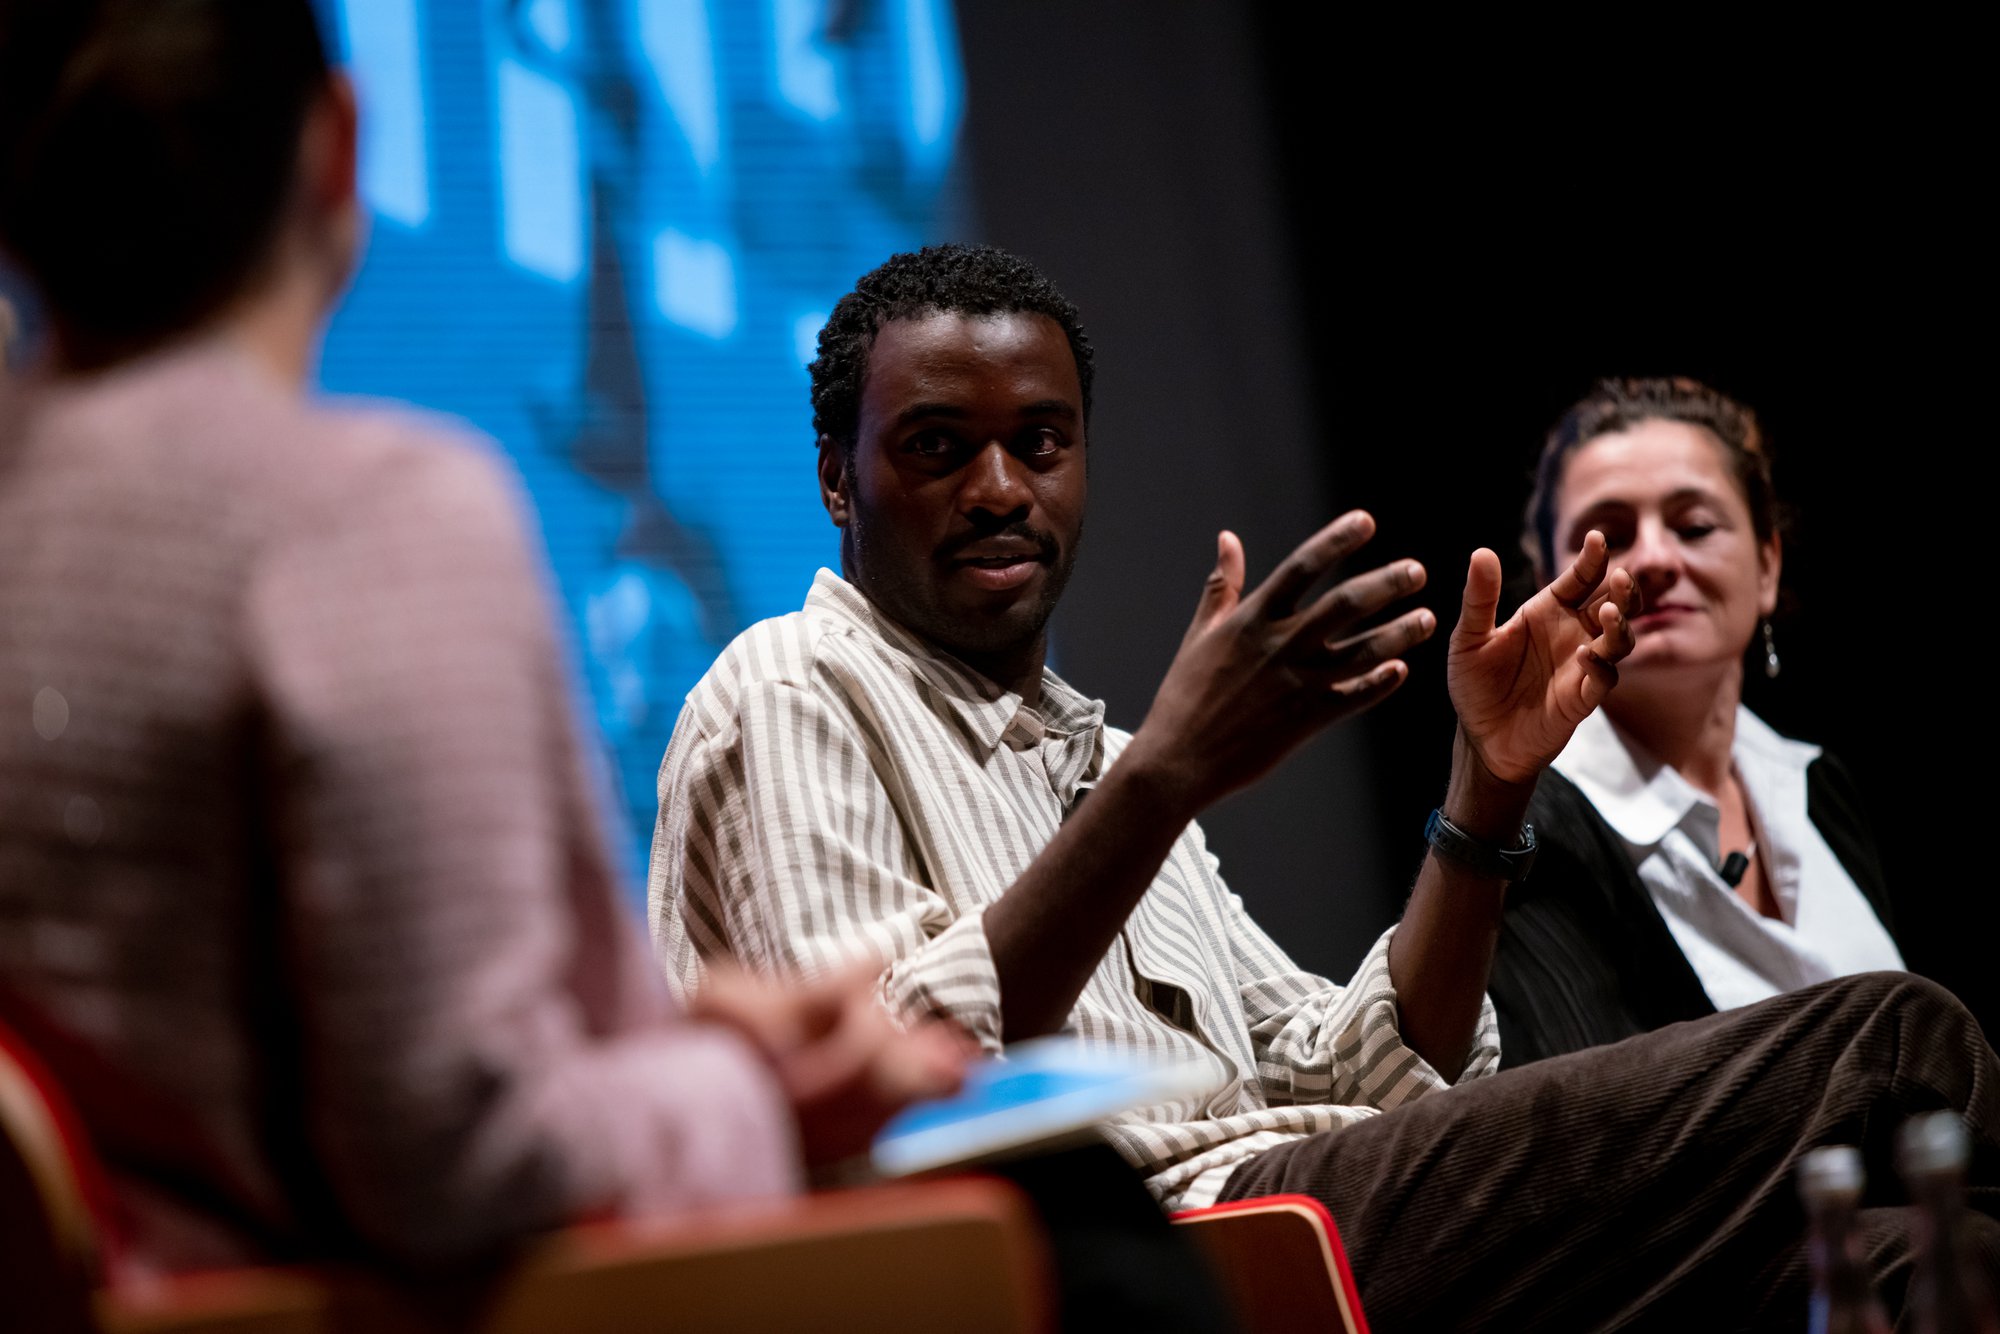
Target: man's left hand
(1521, 688)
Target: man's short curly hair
(940, 279)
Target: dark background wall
(1325, 274)
(1155, 197)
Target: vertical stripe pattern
(836, 788)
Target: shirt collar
(1762, 755)
(1639, 797)
(983, 708)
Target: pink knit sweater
(299, 843)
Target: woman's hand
(841, 1061)
(1521, 688)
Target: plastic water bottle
(1843, 1296)
(1948, 1293)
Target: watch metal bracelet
(1461, 847)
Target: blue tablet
(1036, 1095)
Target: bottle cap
(1931, 1145)
(1831, 1174)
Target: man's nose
(995, 482)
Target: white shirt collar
(988, 712)
(1763, 757)
(1641, 798)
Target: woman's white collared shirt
(1671, 830)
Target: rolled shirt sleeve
(1320, 1043)
(952, 977)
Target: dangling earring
(1770, 653)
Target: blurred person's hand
(846, 1067)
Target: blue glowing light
(386, 57)
(618, 228)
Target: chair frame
(1233, 1236)
(964, 1253)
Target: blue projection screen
(606, 232)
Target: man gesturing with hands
(893, 772)
(1258, 674)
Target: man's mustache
(1045, 545)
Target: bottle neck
(1843, 1300)
(1948, 1294)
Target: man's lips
(997, 566)
(1001, 561)
(999, 577)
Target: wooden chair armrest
(964, 1254)
(225, 1301)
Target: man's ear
(833, 480)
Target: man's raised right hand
(1257, 675)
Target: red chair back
(1281, 1261)
(56, 1205)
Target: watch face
(1501, 863)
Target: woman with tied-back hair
(1693, 860)
(303, 892)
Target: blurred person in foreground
(893, 770)
(303, 892)
(1693, 859)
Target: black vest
(1584, 956)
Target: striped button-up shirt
(836, 786)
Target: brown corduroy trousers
(1649, 1184)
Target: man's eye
(1040, 444)
(931, 445)
(1694, 532)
